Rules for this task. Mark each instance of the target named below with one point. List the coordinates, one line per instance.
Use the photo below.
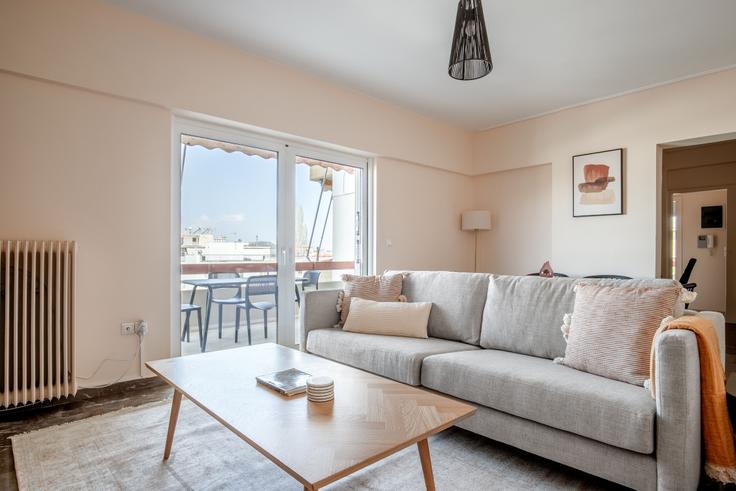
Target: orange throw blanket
(720, 456)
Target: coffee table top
(316, 443)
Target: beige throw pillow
(612, 329)
(388, 318)
(383, 288)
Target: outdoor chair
(188, 308)
(310, 278)
(232, 295)
(257, 286)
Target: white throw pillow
(388, 318)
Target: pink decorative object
(546, 271)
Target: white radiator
(37, 290)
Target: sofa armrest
(678, 410)
(318, 311)
(719, 324)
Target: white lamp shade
(476, 220)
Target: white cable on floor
(138, 351)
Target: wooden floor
(87, 402)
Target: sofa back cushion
(613, 327)
(523, 314)
(457, 302)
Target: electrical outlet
(127, 328)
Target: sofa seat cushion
(395, 357)
(612, 412)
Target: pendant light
(470, 56)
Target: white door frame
(286, 180)
(677, 214)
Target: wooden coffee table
(316, 443)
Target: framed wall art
(598, 183)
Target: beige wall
(418, 212)
(70, 172)
(710, 270)
(103, 48)
(520, 201)
(86, 97)
(637, 122)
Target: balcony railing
(262, 267)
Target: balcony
(330, 273)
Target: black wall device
(711, 217)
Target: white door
(260, 222)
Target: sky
(235, 195)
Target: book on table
(288, 382)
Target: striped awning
(258, 152)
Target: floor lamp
(476, 220)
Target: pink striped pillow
(383, 288)
(613, 327)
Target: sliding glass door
(329, 236)
(229, 239)
(262, 221)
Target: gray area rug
(123, 449)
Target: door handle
(286, 255)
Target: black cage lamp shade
(470, 57)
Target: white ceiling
(546, 54)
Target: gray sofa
(492, 341)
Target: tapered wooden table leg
(175, 404)
(426, 464)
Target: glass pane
(228, 245)
(327, 235)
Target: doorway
(700, 237)
(699, 178)
(261, 222)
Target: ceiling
(547, 55)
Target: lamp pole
(475, 253)
(475, 220)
